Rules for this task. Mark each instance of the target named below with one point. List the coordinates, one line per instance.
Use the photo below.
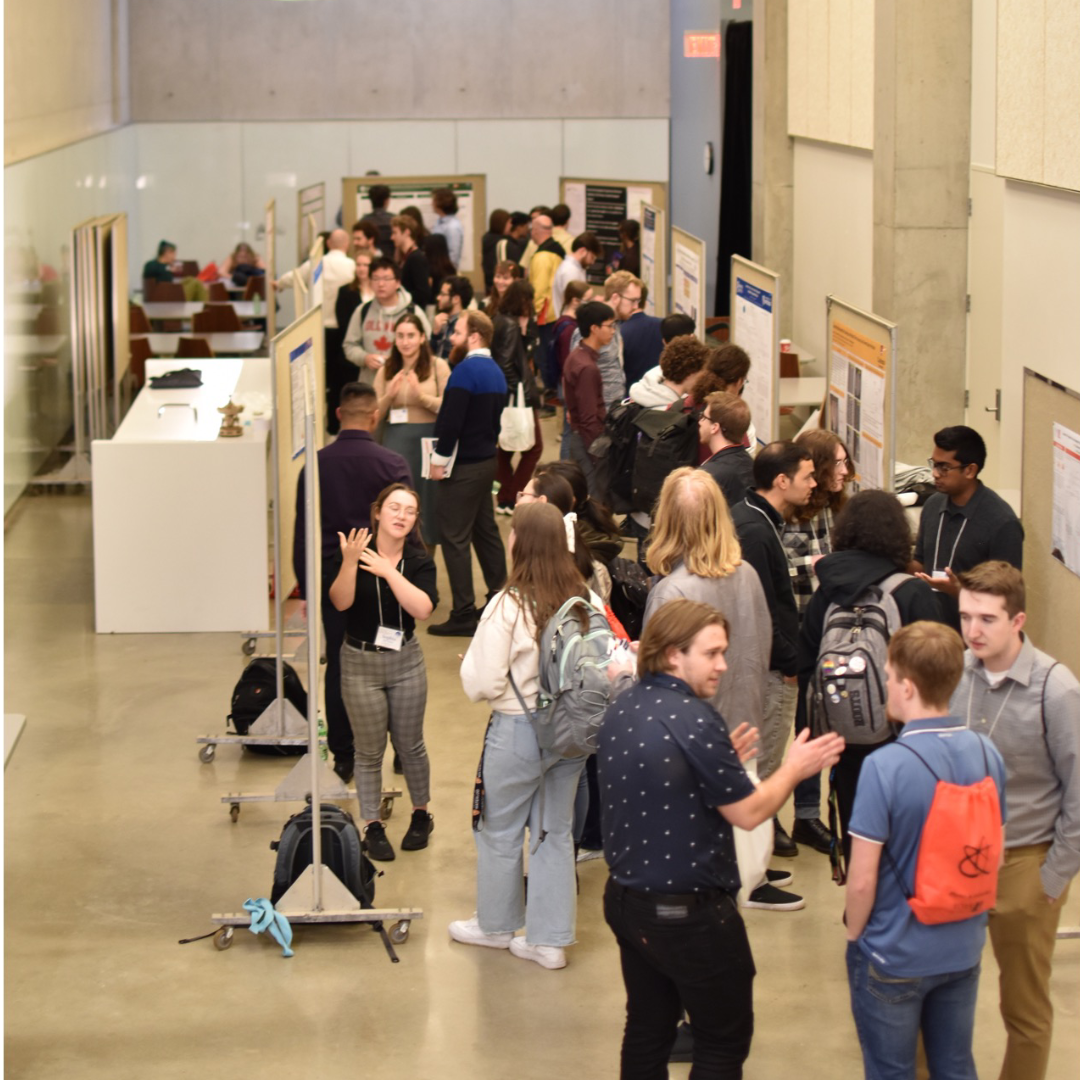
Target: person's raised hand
(744, 739)
(353, 545)
(809, 756)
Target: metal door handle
(996, 408)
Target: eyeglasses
(525, 495)
(845, 461)
(943, 467)
(631, 299)
(383, 279)
(609, 325)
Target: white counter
(180, 516)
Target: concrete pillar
(773, 202)
(922, 130)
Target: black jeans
(466, 517)
(681, 953)
(339, 736)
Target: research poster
(686, 283)
(601, 208)
(856, 405)
(418, 193)
(1065, 526)
(755, 331)
(312, 217)
(653, 262)
(299, 360)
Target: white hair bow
(570, 520)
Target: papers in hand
(427, 448)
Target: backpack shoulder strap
(1042, 696)
(893, 582)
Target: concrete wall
(65, 73)
(413, 59)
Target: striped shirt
(1033, 717)
(803, 542)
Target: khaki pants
(1023, 929)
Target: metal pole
(78, 394)
(279, 602)
(311, 541)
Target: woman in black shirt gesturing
(385, 584)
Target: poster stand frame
(761, 279)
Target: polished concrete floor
(116, 846)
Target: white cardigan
(505, 641)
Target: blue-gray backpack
(847, 691)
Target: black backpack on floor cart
(255, 690)
(341, 852)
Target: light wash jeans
(513, 764)
(780, 701)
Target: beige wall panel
(1020, 88)
(1061, 156)
(817, 86)
(65, 73)
(838, 72)
(497, 148)
(617, 149)
(798, 66)
(833, 235)
(412, 148)
(862, 74)
(357, 59)
(983, 83)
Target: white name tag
(940, 575)
(389, 638)
(399, 416)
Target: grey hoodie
(377, 333)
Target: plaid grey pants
(386, 691)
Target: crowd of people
(730, 571)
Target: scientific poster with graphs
(755, 327)
(688, 278)
(861, 383)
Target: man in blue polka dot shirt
(672, 787)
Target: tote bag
(517, 429)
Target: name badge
(399, 416)
(389, 638)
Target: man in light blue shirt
(444, 203)
(906, 976)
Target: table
(807, 390)
(33, 344)
(185, 310)
(180, 515)
(244, 342)
(22, 312)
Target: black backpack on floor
(255, 690)
(340, 851)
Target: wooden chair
(138, 323)
(218, 293)
(194, 348)
(189, 268)
(169, 292)
(256, 286)
(140, 353)
(218, 319)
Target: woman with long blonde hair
(517, 778)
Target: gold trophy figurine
(230, 426)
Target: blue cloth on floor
(265, 917)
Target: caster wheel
(206, 753)
(223, 938)
(386, 808)
(399, 932)
(248, 648)
(234, 811)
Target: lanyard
(952, 554)
(792, 572)
(378, 596)
(971, 693)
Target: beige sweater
(423, 406)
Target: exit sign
(698, 45)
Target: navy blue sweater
(472, 405)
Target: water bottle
(321, 727)
(258, 305)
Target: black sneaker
(783, 846)
(454, 628)
(770, 898)
(399, 769)
(812, 833)
(376, 844)
(419, 830)
(779, 878)
(344, 768)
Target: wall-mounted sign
(701, 44)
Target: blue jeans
(890, 1011)
(514, 769)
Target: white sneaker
(588, 854)
(548, 956)
(468, 932)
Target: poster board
(313, 287)
(860, 402)
(311, 217)
(688, 278)
(755, 327)
(1053, 590)
(296, 353)
(471, 192)
(654, 258)
(271, 269)
(599, 206)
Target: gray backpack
(574, 686)
(847, 691)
